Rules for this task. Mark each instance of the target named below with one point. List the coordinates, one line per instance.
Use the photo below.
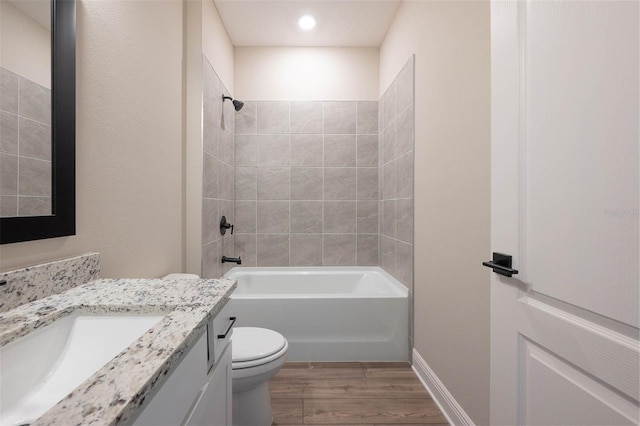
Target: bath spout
(237, 260)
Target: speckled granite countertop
(115, 393)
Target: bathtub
(326, 313)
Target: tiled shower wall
(218, 173)
(306, 183)
(396, 161)
(25, 146)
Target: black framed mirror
(61, 222)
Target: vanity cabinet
(198, 391)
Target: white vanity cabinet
(198, 391)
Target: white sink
(38, 370)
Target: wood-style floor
(351, 393)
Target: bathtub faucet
(237, 260)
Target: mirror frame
(62, 221)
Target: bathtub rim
(274, 270)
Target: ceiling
(352, 23)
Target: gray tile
(228, 249)
(367, 183)
(389, 104)
(245, 220)
(225, 178)
(34, 177)
(404, 90)
(306, 217)
(273, 150)
(381, 140)
(35, 101)
(389, 143)
(339, 250)
(306, 117)
(367, 217)
(246, 119)
(211, 172)
(404, 264)
(8, 206)
(405, 131)
(389, 181)
(404, 176)
(340, 151)
(273, 250)
(245, 247)
(246, 186)
(340, 217)
(273, 117)
(306, 249)
(306, 183)
(246, 150)
(210, 221)
(367, 118)
(273, 183)
(340, 118)
(404, 220)
(9, 83)
(273, 217)
(339, 183)
(9, 133)
(367, 151)
(388, 254)
(34, 206)
(306, 150)
(211, 264)
(8, 174)
(367, 250)
(389, 218)
(35, 139)
(226, 144)
(211, 133)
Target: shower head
(236, 104)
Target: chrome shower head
(236, 104)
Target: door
(564, 329)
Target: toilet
(257, 355)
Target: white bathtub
(326, 313)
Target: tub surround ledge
(116, 393)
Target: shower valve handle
(224, 225)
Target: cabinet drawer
(219, 331)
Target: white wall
(25, 45)
(216, 44)
(451, 41)
(129, 142)
(306, 73)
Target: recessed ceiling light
(307, 22)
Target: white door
(565, 113)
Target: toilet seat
(254, 346)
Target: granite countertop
(115, 393)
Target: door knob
(501, 264)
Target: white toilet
(258, 354)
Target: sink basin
(38, 370)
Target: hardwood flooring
(351, 393)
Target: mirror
(37, 180)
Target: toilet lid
(252, 343)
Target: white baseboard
(446, 402)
